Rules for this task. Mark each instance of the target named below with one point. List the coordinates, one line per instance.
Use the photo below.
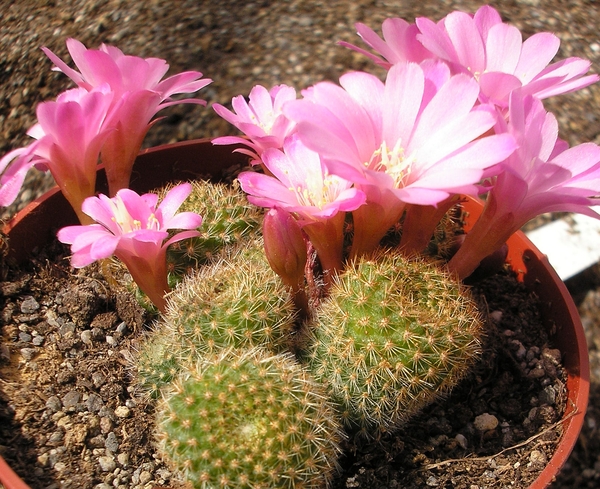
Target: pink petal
(436, 39)
(485, 18)
(503, 48)
(172, 201)
(184, 220)
(181, 236)
(261, 102)
(466, 40)
(402, 101)
(452, 102)
(537, 51)
(498, 86)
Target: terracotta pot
(196, 159)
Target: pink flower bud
(285, 246)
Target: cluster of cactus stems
(257, 391)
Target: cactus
(248, 418)
(238, 301)
(392, 335)
(228, 218)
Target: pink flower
(399, 43)
(494, 53)
(262, 119)
(285, 249)
(415, 139)
(542, 175)
(302, 186)
(70, 133)
(140, 91)
(134, 229)
(14, 166)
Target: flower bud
(285, 246)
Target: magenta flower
(261, 119)
(542, 175)
(415, 139)
(70, 133)
(302, 186)
(134, 229)
(399, 43)
(494, 53)
(138, 89)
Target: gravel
(239, 44)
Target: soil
(71, 417)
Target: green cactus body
(392, 335)
(227, 219)
(250, 419)
(239, 301)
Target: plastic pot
(37, 224)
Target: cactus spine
(249, 418)
(239, 301)
(227, 219)
(392, 335)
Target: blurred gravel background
(242, 43)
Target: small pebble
(71, 398)
(537, 458)
(548, 396)
(94, 403)
(106, 424)
(25, 337)
(38, 340)
(86, 337)
(66, 329)
(28, 353)
(111, 443)
(107, 463)
(122, 412)
(29, 305)
(432, 481)
(53, 403)
(496, 316)
(485, 422)
(56, 437)
(123, 459)
(145, 477)
(461, 440)
(98, 378)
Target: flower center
(394, 162)
(265, 122)
(128, 223)
(318, 192)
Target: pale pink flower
(494, 53)
(70, 132)
(542, 175)
(300, 184)
(399, 43)
(134, 229)
(140, 91)
(415, 139)
(261, 120)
